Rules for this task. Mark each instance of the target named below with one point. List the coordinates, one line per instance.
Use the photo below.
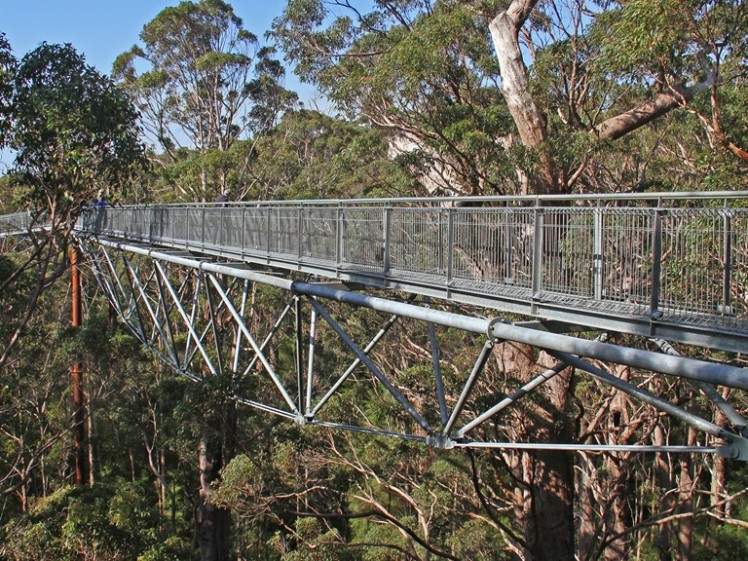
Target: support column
(79, 398)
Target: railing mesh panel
(687, 264)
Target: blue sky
(102, 29)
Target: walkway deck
(672, 266)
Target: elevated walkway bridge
(666, 267)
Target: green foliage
(422, 72)
(426, 73)
(74, 132)
(107, 521)
(674, 37)
(206, 84)
(7, 70)
(313, 156)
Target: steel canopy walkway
(664, 267)
(668, 266)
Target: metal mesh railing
(15, 223)
(681, 259)
(362, 238)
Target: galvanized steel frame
(667, 266)
(150, 289)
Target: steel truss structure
(195, 312)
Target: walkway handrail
(15, 223)
(657, 260)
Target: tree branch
(657, 106)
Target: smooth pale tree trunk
(531, 121)
(528, 117)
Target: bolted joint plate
(737, 449)
(494, 330)
(440, 441)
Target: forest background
(423, 99)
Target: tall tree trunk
(719, 468)
(548, 513)
(547, 495)
(617, 468)
(685, 525)
(663, 480)
(686, 494)
(213, 524)
(585, 507)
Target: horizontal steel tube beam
(714, 373)
(637, 448)
(448, 319)
(445, 201)
(198, 264)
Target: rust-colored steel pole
(79, 398)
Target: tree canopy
(7, 66)
(208, 83)
(74, 133)
(75, 138)
(541, 87)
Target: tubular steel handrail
(670, 265)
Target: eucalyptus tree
(522, 94)
(312, 155)
(7, 66)
(207, 83)
(74, 135)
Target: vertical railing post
(242, 241)
(202, 234)
(300, 228)
(339, 236)
(508, 272)
(220, 226)
(537, 255)
(149, 227)
(597, 253)
(268, 230)
(386, 241)
(450, 244)
(440, 242)
(727, 256)
(654, 301)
